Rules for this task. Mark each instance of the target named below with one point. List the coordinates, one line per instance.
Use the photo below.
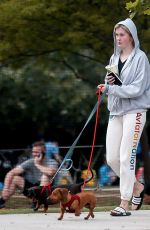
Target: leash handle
(69, 167)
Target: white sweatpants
(123, 134)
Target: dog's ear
(64, 193)
(32, 192)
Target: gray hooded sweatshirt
(134, 94)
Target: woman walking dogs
(128, 102)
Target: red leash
(98, 92)
(45, 187)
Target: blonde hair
(126, 29)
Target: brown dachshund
(73, 203)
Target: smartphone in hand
(40, 155)
(117, 79)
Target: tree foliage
(138, 6)
(38, 27)
(52, 56)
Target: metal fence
(9, 158)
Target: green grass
(57, 210)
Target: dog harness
(47, 189)
(67, 206)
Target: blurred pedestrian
(52, 151)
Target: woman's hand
(110, 79)
(102, 88)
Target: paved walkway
(139, 220)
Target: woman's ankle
(124, 204)
(138, 188)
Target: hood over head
(132, 28)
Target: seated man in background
(36, 171)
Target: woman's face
(123, 38)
